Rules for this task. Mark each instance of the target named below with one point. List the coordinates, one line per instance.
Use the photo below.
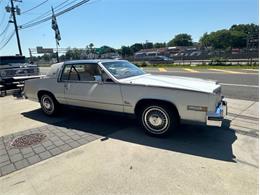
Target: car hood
(186, 83)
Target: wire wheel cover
(156, 119)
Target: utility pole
(13, 10)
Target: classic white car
(160, 102)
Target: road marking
(255, 70)
(228, 71)
(239, 85)
(190, 70)
(162, 70)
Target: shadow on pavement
(208, 142)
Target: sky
(125, 22)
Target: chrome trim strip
(127, 105)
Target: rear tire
(157, 119)
(49, 104)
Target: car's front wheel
(49, 104)
(157, 119)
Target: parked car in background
(153, 58)
(15, 66)
(160, 102)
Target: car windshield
(123, 69)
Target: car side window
(81, 72)
(65, 73)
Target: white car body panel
(176, 82)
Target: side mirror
(98, 78)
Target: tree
(221, 39)
(238, 39)
(205, 40)
(46, 57)
(91, 45)
(106, 49)
(181, 40)
(136, 47)
(159, 45)
(126, 51)
(248, 29)
(74, 54)
(148, 45)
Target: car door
(83, 86)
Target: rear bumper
(216, 118)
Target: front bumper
(216, 118)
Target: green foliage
(74, 54)
(248, 29)
(148, 45)
(221, 39)
(159, 45)
(181, 40)
(235, 37)
(136, 47)
(126, 51)
(106, 49)
(238, 39)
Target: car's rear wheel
(157, 119)
(49, 104)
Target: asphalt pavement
(236, 83)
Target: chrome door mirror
(98, 78)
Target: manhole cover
(27, 140)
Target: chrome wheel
(156, 120)
(47, 104)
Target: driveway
(118, 158)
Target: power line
(45, 14)
(24, 26)
(3, 18)
(8, 40)
(5, 29)
(35, 7)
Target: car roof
(90, 61)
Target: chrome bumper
(216, 118)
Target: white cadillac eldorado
(160, 102)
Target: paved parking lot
(95, 153)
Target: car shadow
(209, 142)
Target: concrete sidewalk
(198, 161)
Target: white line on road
(255, 70)
(239, 85)
(190, 70)
(227, 71)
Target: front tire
(158, 120)
(49, 105)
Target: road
(237, 83)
